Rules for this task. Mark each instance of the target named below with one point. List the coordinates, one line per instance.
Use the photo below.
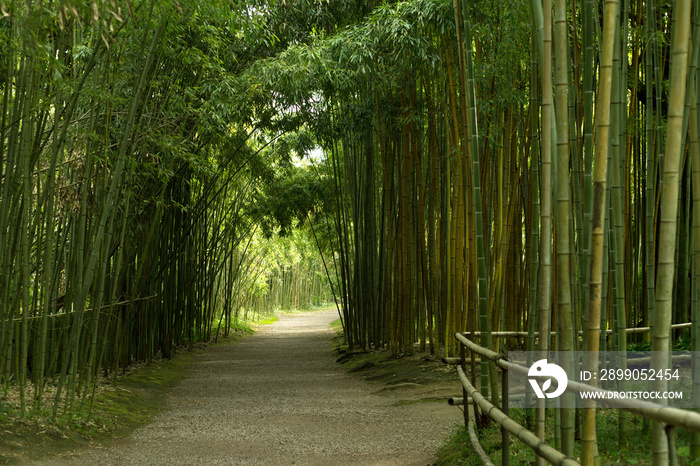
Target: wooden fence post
(505, 435)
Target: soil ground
(279, 397)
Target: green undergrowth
(299, 310)
(268, 320)
(272, 318)
(457, 450)
(394, 370)
(117, 408)
(421, 369)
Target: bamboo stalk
(668, 216)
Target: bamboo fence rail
(672, 417)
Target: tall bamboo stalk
(565, 318)
(668, 214)
(544, 312)
(588, 437)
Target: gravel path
(275, 398)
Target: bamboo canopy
(172, 170)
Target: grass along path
(117, 409)
(278, 397)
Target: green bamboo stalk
(473, 154)
(616, 242)
(588, 437)
(565, 312)
(534, 203)
(25, 283)
(695, 342)
(668, 214)
(651, 173)
(544, 311)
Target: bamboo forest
(170, 170)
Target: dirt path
(275, 398)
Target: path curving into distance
(279, 398)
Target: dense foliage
(438, 166)
(134, 152)
(499, 168)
